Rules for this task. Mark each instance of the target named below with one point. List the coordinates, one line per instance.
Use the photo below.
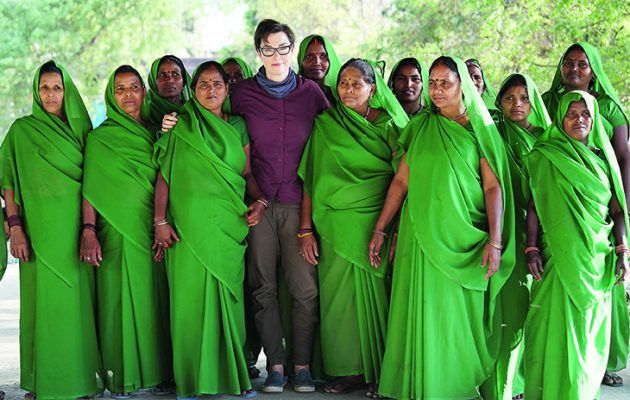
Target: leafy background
(91, 37)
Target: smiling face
(477, 77)
(170, 81)
(276, 65)
(129, 93)
(211, 90)
(315, 64)
(408, 84)
(353, 90)
(515, 104)
(51, 92)
(444, 87)
(576, 70)
(577, 121)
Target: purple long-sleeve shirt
(278, 130)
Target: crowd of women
(418, 238)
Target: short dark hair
(513, 81)
(128, 69)
(268, 26)
(50, 68)
(405, 62)
(363, 66)
(447, 62)
(173, 59)
(206, 66)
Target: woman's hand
(90, 248)
(20, 247)
(169, 121)
(374, 248)
(491, 259)
(159, 252)
(254, 213)
(621, 267)
(165, 236)
(308, 248)
(535, 264)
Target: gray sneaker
(302, 382)
(274, 383)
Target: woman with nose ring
(41, 162)
(206, 157)
(521, 120)
(131, 286)
(488, 95)
(575, 185)
(454, 254)
(318, 62)
(581, 68)
(347, 166)
(169, 88)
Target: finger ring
(87, 258)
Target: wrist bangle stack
(495, 244)
(531, 249)
(622, 248)
(380, 232)
(160, 222)
(14, 220)
(302, 233)
(263, 201)
(90, 227)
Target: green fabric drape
(202, 158)
(132, 292)
(424, 72)
(333, 70)
(610, 106)
(572, 187)
(156, 105)
(41, 161)
(508, 377)
(3, 251)
(489, 95)
(438, 285)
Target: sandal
(161, 390)
(612, 379)
(248, 394)
(519, 397)
(343, 386)
(30, 396)
(120, 396)
(372, 392)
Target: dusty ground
(9, 356)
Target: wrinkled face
(51, 92)
(444, 87)
(234, 72)
(515, 104)
(315, 64)
(275, 53)
(477, 77)
(408, 84)
(211, 89)
(170, 81)
(129, 92)
(353, 90)
(576, 70)
(578, 121)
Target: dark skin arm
(494, 208)
(255, 210)
(395, 196)
(89, 247)
(534, 260)
(620, 145)
(165, 236)
(308, 244)
(20, 246)
(619, 231)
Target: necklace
(529, 127)
(367, 113)
(460, 116)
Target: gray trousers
(273, 243)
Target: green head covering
(539, 116)
(247, 71)
(424, 72)
(572, 185)
(333, 69)
(601, 83)
(488, 95)
(116, 114)
(157, 105)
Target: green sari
(611, 111)
(424, 72)
(507, 381)
(42, 162)
(567, 331)
(488, 96)
(330, 82)
(444, 316)
(347, 166)
(132, 292)
(202, 159)
(158, 106)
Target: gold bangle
(161, 222)
(301, 235)
(495, 244)
(379, 232)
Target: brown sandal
(344, 385)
